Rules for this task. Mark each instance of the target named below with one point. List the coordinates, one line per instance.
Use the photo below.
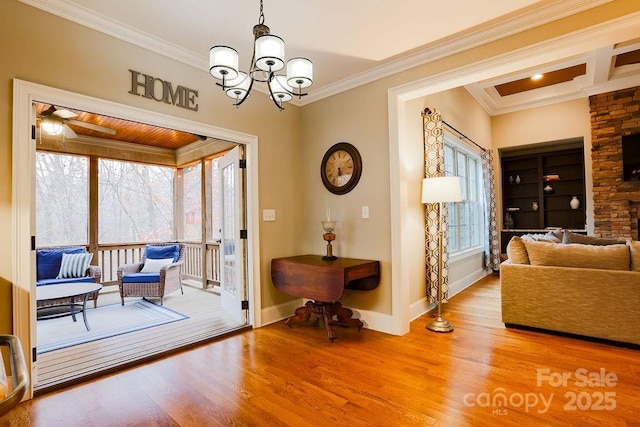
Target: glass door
(232, 247)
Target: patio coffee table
(77, 292)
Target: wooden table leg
(302, 314)
(326, 312)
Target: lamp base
(439, 325)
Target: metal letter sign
(162, 91)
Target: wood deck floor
(206, 320)
(480, 375)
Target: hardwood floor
(481, 374)
(206, 320)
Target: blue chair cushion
(162, 252)
(141, 278)
(48, 261)
(44, 282)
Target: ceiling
(350, 46)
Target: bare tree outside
(62, 197)
(192, 191)
(135, 202)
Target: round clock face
(341, 168)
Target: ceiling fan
(54, 122)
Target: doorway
(25, 93)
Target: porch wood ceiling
(126, 131)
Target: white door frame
(23, 173)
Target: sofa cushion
(154, 265)
(74, 265)
(162, 252)
(634, 248)
(569, 237)
(516, 251)
(44, 282)
(609, 257)
(141, 278)
(48, 261)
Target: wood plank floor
(206, 320)
(481, 374)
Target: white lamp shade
(269, 53)
(278, 88)
(51, 127)
(238, 87)
(299, 73)
(223, 62)
(441, 189)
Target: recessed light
(536, 76)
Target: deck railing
(110, 257)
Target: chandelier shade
(278, 89)
(239, 87)
(299, 73)
(268, 58)
(223, 62)
(269, 53)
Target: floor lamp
(441, 190)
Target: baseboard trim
(279, 312)
(422, 306)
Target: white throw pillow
(154, 265)
(74, 265)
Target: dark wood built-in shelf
(554, 209)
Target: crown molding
(533, 16)
(505, 26)
(81, 15)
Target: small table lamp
(440, 189)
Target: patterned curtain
(492, 245)
(434, 166)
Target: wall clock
(341, 168)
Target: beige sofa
(579, 289)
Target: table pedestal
(325, 311)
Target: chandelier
(267, 60)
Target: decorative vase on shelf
(518, 180)
(548, 189)
(575, 203)
(508, 221)
(510, 179)
(534, 206)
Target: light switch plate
(365, 212)
(268, 214)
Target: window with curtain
(465, 225)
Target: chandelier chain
(261, 19)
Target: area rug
(106, 321)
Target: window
(465, 224)
(135, 202)
(192, 205)
(62, 195)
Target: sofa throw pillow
(162, 252)
(569, 237)
(74, 265)
(634, 248)
(48, 260)
(154, 265)
(609, 257)
(516, 251)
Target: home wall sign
(162, 91)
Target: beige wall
(557, 122)
(42, 48)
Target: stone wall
(616, 202)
